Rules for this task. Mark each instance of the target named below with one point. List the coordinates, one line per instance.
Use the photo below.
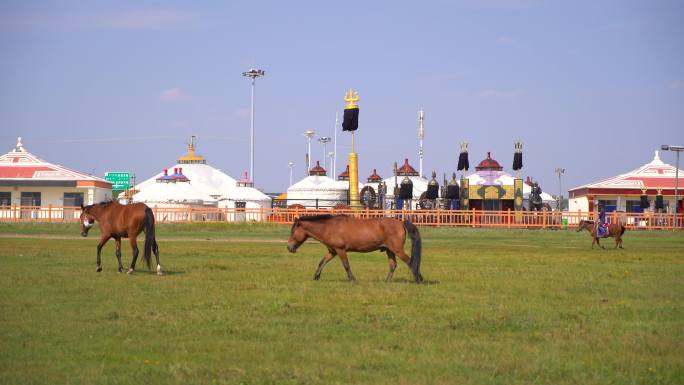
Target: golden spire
(191, 157)
(351, 98)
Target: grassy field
(499, 307)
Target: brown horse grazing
(341, 233)
(122, 221)
(615, 230)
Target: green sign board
(119, 180)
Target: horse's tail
(416, 246)
(149, 236)
(622, 229)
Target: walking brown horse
(122, 221)
(341, 234)
(615, 230)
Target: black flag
(351, 119)
(517, 161)
(463, 161)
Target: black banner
(643, 203)
(351, 119)
(463, 162)
(432, 191)
(517, 161)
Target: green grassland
(499, 307)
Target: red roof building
(27, 180)
(622, 192)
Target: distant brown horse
(341, 234)
(122, 221)
(615, 230)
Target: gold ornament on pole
(351, 123)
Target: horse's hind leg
(118, 253)
(345, 263)
(330, 255)
(134, 246)
(155, 250)
(392, 259)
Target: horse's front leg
(118, 253)
(345, 262)
(103, 240)
(134, 246)
(330, 255)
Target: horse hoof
(130, 271)
(160, 272)
(98, 269)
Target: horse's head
(297, 236)
(583, 224)
(87, 221)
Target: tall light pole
(325, 140)
(309, 134)
(334, 163)
(559, 172)
(290, 165)
(253, 74)
(421, 135)
(677, 149)
(331, 155)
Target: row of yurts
(193, 182)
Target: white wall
(55, 195)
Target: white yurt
(174, 194)
(244, 196)
(318, 190)
(206, 178)
(213, 182)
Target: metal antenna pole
(334, 162)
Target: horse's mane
(316, 218)
(102, 204)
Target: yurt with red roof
(623, 192)
(29, 181)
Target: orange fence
(445, 218)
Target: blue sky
(591, 86)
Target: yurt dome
(318, 190)
(244, 195)
(169, 192)
(204, 177)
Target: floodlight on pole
(325, 140)
(677, 150)
(253, 74)
(309, 134)
(559, 172)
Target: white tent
(174, 194)
(318, 191)
(211, 181)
